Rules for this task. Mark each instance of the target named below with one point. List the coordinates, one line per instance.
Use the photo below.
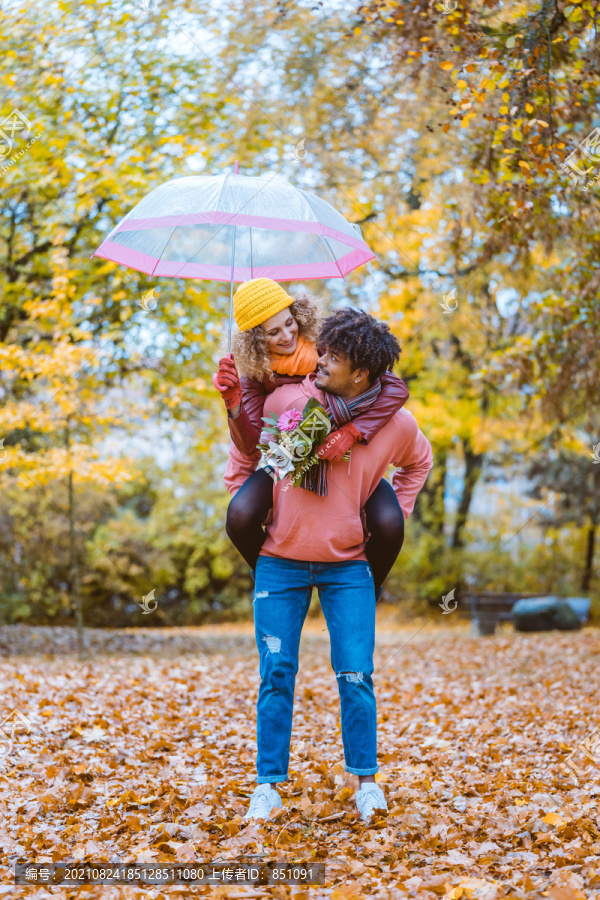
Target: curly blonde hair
(251, 348)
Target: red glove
(339, 442)
(227, 381)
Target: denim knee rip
(273, 643)
(259, 595)
(352, 677)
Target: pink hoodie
(330, 529)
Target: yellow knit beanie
(257, 300)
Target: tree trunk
(74, 568)
(473, 464)
(589, 558)
(429, 509)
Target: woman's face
(282, 331)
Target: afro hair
(367, 342)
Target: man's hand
(227, 382)
(339, 442)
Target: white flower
(281, 459)
(285, 470)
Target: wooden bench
(487, 608)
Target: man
(316, 539)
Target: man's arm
(413, 465)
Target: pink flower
(289, 420)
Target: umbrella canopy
(233, 227)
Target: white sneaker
(263, 800)
(368, 798)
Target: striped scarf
(339, 412)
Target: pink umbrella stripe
(225, 218)
(233, 228)
(150, 265)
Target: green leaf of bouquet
(311, 404)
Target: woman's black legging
(250, 507)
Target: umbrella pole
(231, 290)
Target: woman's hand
(227, 382)
(337, 443)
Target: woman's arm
(255, 392)
(392, 397)
(227, 382)
(245, 428)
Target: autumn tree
(512, 91)
(571, 484)
(439, 132)
(72, 329)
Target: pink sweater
(330, 529)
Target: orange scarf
(302, 361)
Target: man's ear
(360, 374)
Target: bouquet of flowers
(294, 436)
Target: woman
(275, 345)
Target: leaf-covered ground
(146, 752)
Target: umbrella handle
(231, 290)
(235, 169)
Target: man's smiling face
(336, 375)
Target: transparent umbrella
(234, 227)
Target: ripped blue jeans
(282, 593)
